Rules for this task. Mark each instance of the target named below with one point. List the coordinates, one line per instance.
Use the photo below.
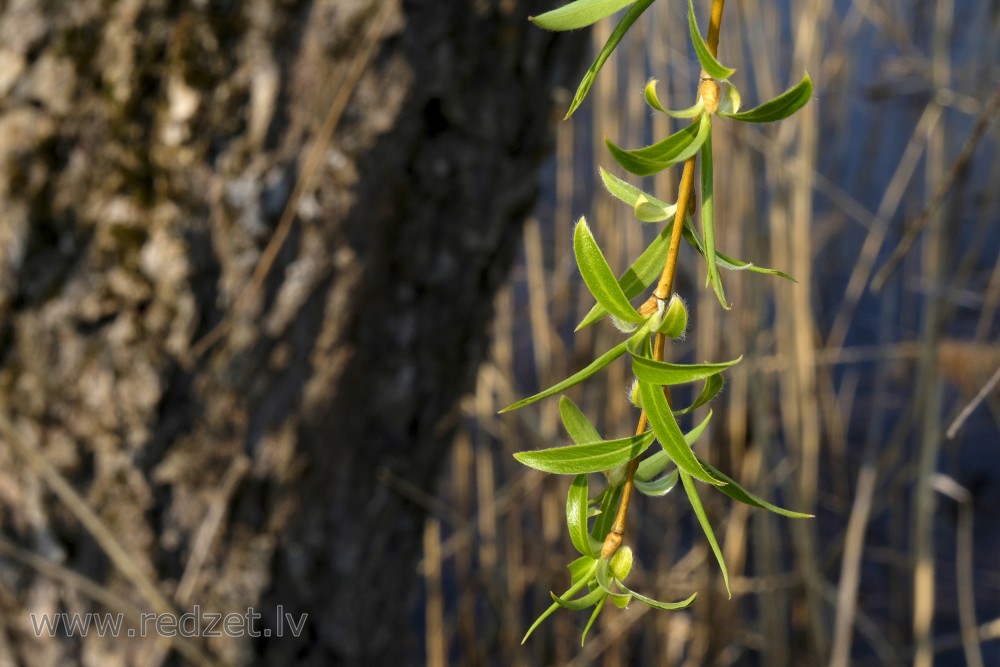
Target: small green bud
(675, 319)
(621, 563)
(633, 394)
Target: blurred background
(268, 270)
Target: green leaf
(725, 261)
(620, 601)
(605, 579)
(737, 492)
(658, 487)
(576, 516)
(699, 511)
(578, 14)
(576, 423)
(647, 268)
(573, 590)
(708, 221)
(631, 16)
(713, 385)
(730, 102)
(668, 606)
(588, 600)
(669, 433)
(593, 617)
(628, 193)
(708, 62)
(659, 461)
(604, 520)
(663, 373)
(538, 621)
(582, 568)
(676, 148)
(647, 211)
(780, 107)
(653, 100)
(592, 457)
(598, 276)
(732, 264)
(576, 378)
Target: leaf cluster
(596, 578)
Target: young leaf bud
(633, 394)
(710, 93)
(621, 563)
(675, 319)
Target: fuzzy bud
(710, 93)
(633, 394)
(675, 318)
(621, 563)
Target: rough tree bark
(147, 151)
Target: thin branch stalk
(663, 291)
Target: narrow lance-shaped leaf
(631, 16)
(592, 457)
(699, 512)
(573, 590)
(647, 207)
(626, 192)
(780, 107)
(737, 492)
(578, 604)
(648, 211)
(581, 568)
(578, 14)
(669, 433)
(708, 62)
(659, 461)
(653, 100)
(593, 617)
(620, 600)
(576, 516)
(713, 385)
(657, 487)
(669, 606)
(676, 148)
(708, 221)
(661, 372)
(603, 575)
(732, 264)
(576, 423)
(725, 261)
(643, 273)
(598, 276)
(580, 376)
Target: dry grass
(840, 406)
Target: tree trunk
(247, 447)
